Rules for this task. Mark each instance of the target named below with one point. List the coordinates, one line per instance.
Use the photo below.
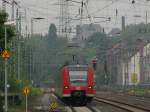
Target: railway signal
(5, 54)
(94, 62)
(53, 105)
(26, 91)
(134, 78)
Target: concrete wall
(134, 67)
(138, 64)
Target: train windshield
(78, 78)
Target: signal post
(26, 92)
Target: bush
(35, 91)
(1, 104)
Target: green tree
(52, 33)
(3, 17)
(134, 32)
(1, 104)
(101, 43)
(10, 29)
(10, 35)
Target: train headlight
(90, 87)
(66, 87)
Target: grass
(133, 90)
(21, 108)
(35, 91)
(139, 92)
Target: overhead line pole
(18, 25)
(6, 63)
(4, 4)
(13, 10)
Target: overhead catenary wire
(34, 10)
(112, 3)
(106, 6)
(112, 16)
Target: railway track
(121, 105)
(69, 109)
(84, 109)
(43, 107)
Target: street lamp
(6, 63)
(32, 20)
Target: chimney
(123, 23)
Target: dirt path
(44, 101)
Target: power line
(105, 7)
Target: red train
(77, 84)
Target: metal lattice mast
(61, 17)
(64, 18)
(4, 5)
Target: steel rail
(83, 109)
(122, 105)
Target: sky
(49, 9)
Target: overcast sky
(49, 9)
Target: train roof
(77, 67)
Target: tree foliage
(10, 29)
(101, 43)
(134, 32)
(47, 55)
(10, 35)
(3, 17)
(52, 33)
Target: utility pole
(146, 17)
(4, 5)
(81, 14)
(64, 18)
(19, 46)
(18, 24)
(32, 26)
(6, 69)
(123, 23)
(5, 105)
(61, 20)
(30, 63)
(13, 10)
(6, 63)
(26, 26)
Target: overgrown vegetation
(134, 32)
(50, 52)
(10, 34)
(101, 43)
(10, 29)
(42, 56)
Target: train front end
(78, 84)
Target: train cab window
(78, 78)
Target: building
(129, 67)
(146, 63)
(131, 70)
(138, 68)
(86, 30)
(114, 61)
(115, 32)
